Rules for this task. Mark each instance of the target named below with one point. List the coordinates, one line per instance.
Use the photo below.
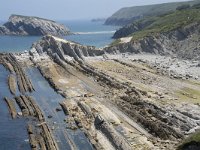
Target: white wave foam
(98, 32)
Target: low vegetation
(148, 26)
(189, 95)
(193, 140)
(115, 42)
(130, 14)
(169, 22)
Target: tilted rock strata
(15, 68)
(182, 42)
(65, 49)
(174, 125)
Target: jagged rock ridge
(64, 49)
(182, 42)
(25, 25)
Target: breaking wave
(98, 32)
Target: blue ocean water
(13, 132)
(1, 22)
(88, 33)
(16, 43)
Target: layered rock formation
(25, 25)
(182, 42)
(63, 49)
(171, 123)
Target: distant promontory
(99, 20)
(28, 25)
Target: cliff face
(126, 30)
(63, 49)
(132, 28)
(24, 25)
(182, 42)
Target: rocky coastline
(162, 115)
(182, 43)
(40, 135)
(118, 99)
(141, 92)
(28, 25)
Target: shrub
(183, 7)
(196, 6)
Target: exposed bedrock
(161, 122)
(182, 42)
(27, 25)
(130, 29)
(116, 139)
(40, 136)
(11, 106)
(18, 75)
(64, 49)
(92, 123)
(12, 84)
(156, 120)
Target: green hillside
(161, 24)
(169, 22)
(130, 14)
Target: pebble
(19, 113)
(58, 109)
(50, 116)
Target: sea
(86, 33)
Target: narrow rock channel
(48, 100)
(11, 131)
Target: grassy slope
(149, 10)
(165, 23)
(169, 22)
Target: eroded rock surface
(142, 105)
(63, 49)
(27, 25)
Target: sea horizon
(86, 33)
